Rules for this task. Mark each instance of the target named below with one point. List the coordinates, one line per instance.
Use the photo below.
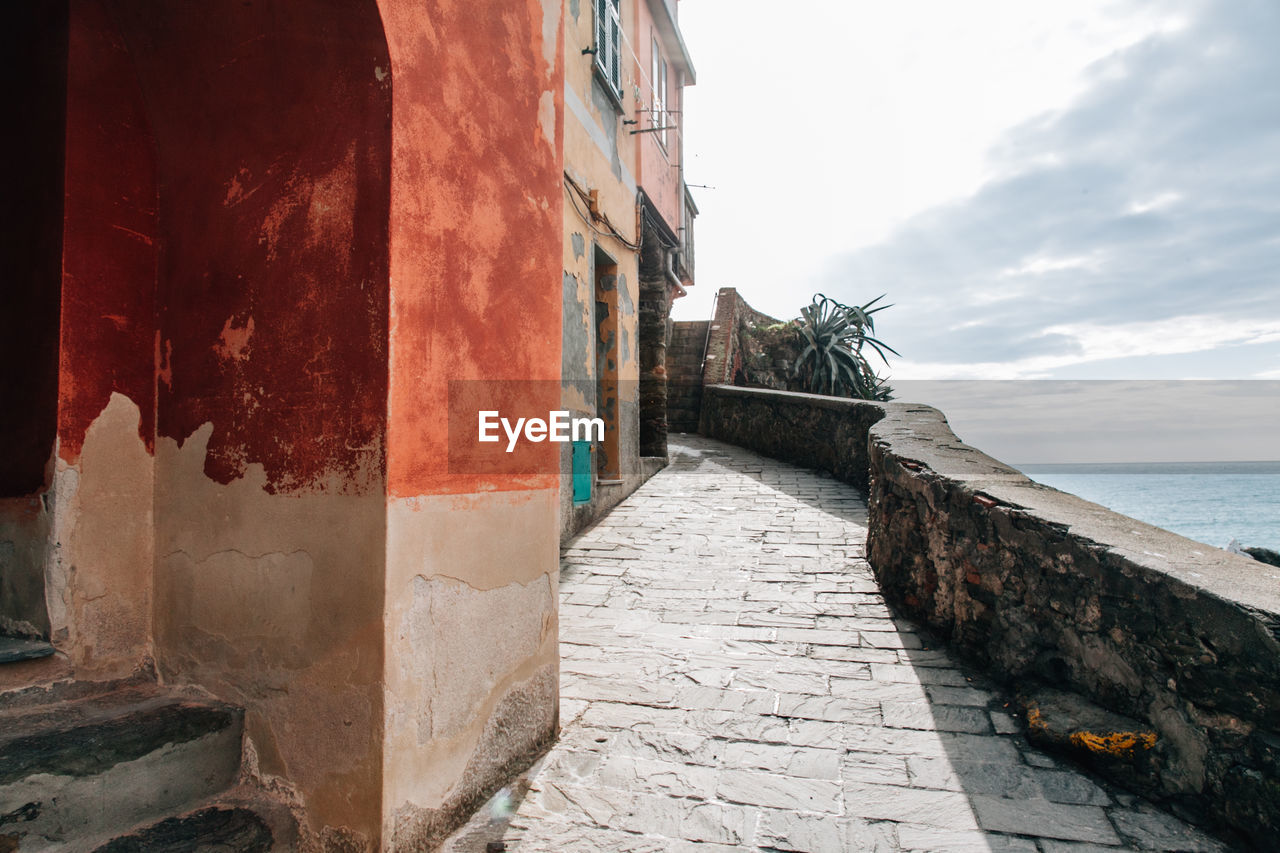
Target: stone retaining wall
(724, 353)
(1171, 644)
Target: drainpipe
(669, 270)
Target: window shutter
(655, 102)
(602, 34)
(615, 45)
(609, 42)
(662, 104)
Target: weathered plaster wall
(110, 234)
(1046, 589)
(476, 210)
(263, 301)
(274, 602)
(98, 580)
(97, 566)
(472, 662)
(274, 235)
(471, 560)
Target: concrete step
(78, 763)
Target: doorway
(35, 74)
(608, 466)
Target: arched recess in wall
(226, 285)
(271, 130)
(200, 226)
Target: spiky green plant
(833, 360)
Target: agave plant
(833, 360)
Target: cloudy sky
(1078, 190)
(1090, 191)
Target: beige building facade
(627, 216)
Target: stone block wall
(1050, 592)
(684, 374)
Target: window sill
(615, 97)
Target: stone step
(88, 763)
(210, 829)
(14, 649)
(242, 821)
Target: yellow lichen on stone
(1034, 718)
(1114, 743)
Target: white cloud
(1094, 343)
(1164, 337)
(1042, 264)
(1154, 203)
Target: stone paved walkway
(732, 680)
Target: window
(609, 42)
(658, 79)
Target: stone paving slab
(731, 679)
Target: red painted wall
(266, 129)
(272, 128)
(226, 263)
(110, 234)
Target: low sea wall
(1148, 656)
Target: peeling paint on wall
(577, 354)
(608, 122)
(98, 575)
(274, 602)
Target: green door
(581, 472)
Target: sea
(1211, 502)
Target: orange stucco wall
(475, 219)
(470, 591)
